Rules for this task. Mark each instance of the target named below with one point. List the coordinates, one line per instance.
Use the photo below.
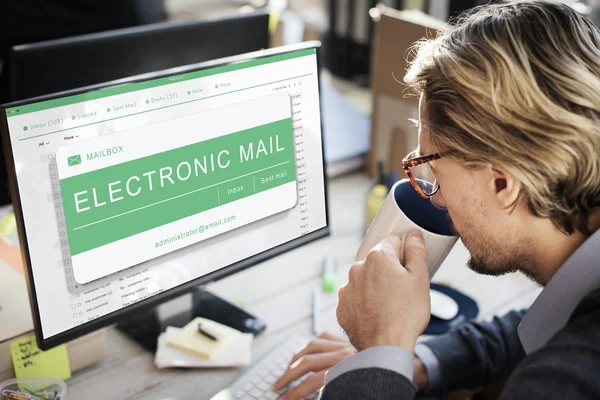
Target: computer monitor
(63, 64)
(133, 193)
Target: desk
(279, 291)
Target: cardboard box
(392, 134)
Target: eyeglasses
(421, 174)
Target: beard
(488, 257)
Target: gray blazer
(565, 367)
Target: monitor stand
(146, 326)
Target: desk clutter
(203, 343)
(33, 389)
(39, 374)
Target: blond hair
(517, 85)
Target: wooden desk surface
(279, 291)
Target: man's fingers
(390, 246)
(344, 306)
(319, 345)
(311, 384)
(415, 253)
(331, 336)
(308, 363)
(355, 273)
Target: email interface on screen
(132, 190)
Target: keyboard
(257, 382)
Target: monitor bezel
(140, 306)
(20, 53)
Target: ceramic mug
(403, 210)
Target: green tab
(122, 200)
(271, 178)
(236, 189)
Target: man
(510, 109)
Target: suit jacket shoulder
(568, 366)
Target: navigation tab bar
(134, 87)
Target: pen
(316, 306)
(205, 332)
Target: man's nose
(438, 200)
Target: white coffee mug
(404, 210)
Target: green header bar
(133, 87)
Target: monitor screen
(129, 192)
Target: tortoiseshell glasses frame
(410, 161)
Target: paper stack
(186, 347)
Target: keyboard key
(264, 386)
(272, 396)
(239, 394)
(256, 380)
(257, 394)
(248, 387)
(264, 373)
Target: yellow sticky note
(273, 21)
(8, 224)
(31, 362)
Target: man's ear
(505, 187)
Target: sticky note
(31, 362)
(8, 224)
(273, 21)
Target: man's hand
(321, 354)
(385, 303)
